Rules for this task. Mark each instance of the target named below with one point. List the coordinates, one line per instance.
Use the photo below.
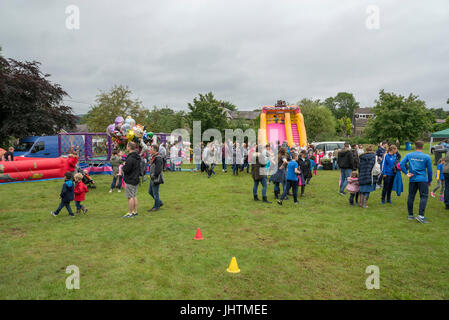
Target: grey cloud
(249, 52)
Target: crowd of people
(362, 171)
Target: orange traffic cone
(198, 235)
(233, 266)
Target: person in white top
(173, 156)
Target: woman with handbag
(367, 180)
(280, 175)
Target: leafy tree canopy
(164, 119)
(319, 121)
(342, 105)
(29, 103)
(399, 117)
(109, 105)
(209, 111)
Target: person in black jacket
(306, 173)
(367, 181)
(67, 195)
(156, 177)
(131, 171)
(346, 164)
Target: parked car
(329, 146)
(439, 146)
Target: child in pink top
(353, 188)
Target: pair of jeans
(223, 163)
(352, 196)
(446, 189)
(66, 205)
(114, 181)
(334, 164)
(277, 187)
(211, 170)
(291, 184)
(172, 165)
(198, 166)
(388, 187)
(78, 205)
(263, 181)
(153, 190)
(423, 189)
(235, 169)
(345, 174)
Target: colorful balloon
(119, 120)
(110, 129)
(130, 135)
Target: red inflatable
(29, 169)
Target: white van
(328, 146)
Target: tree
(348, 127)
(440, 113)
(319, 121)
(109, 105)
(228, 105)
(342, 105)
(164, 119)
(398, 117)
(209, 111)
(29, 103)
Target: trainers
(53, 214)
(432, 194)
(128, 215)
(110, 191)
(411, 217)
(382, 202)
(280, 202)
(119, 190)
(421, 219)
(153, 209)
(85, 210)
(134, 215)
(441, 198)
(342, 193)
(389, 201)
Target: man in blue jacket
(420, 174)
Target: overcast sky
(251, 53)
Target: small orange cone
(198, 235)
(233, 266)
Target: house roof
(364, 110)
(247, 115)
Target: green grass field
(317, 250)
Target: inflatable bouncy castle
(29, 169)
(282, 123)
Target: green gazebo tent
(439, 134)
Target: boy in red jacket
(73, 160)
(80, 190)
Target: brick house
(361, 116)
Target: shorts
(130, 191)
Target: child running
(80, 191)
(353, 188)
(440, 180)
(67, 195)
(292, 179)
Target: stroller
(87, 180)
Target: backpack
(376, 170)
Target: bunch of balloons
(124, 130)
